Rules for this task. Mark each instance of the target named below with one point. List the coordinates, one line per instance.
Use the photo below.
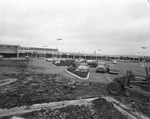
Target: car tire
(114, 88)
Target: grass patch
(78, 73)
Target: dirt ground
(40, 82)
(99, 109)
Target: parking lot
(96, 77)
(39, 81)
(101, 77)
(136, 68)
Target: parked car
(26, 57)
(92, 63)
(49, 59)
(83, 67)
(101, 67)
(42, 58)
(55, 60)
(111, 68)
(114, 62)
(1, 57)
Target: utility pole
(57, 42)
(143, 56)
(44, 52)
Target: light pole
(44, 51)
(99, 51)
(143, 50)
(143, 55)
(57, 42)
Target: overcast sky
(115, 27)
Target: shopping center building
(17, 51)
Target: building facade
(8, 51)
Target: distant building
(8, 51)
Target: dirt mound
(31, 88)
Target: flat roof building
(8, 51)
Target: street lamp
(143, 55)
(44, 51)
(99, 51)
(57, 43)
(143, 50)
(85, 56)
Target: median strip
(79, 76)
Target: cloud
(113, 26)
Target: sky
(114, 27)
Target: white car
(49, 59)
(114, 62)
(83, 67)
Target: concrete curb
(131, 114)
(53, 64)
(79, 76)
(125, 110)
(51, 105)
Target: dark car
(112, 69)
(101, 67)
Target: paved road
(101, 77)
(46, 67)
(42, 66)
